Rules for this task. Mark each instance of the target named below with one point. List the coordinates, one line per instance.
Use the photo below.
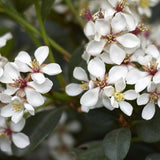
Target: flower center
(35, 66)
(127, 59)
(99, 15)
(84, 85)
(118, 95)
(141, 28)
(154, 96)
(111, 38)
(151, 68)
(17, 106)
(86, 13)
(7, 132)
(103, 83)
(121, 5)
(20, 83)
(144, 3)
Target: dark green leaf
(46, 7)
(116, 144)
(91, 151)
(38, 128)
(76, 60)
(149, 131)
(154, 156)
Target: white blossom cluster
(122, 60)
(25, 85)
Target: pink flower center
(20, 83)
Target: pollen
(111, 38)
(17, 106)
(127, 59)
(154, 96)
(143, 28)
(35, 66)
(118, 96)
(144, 3)
(122, 4)
(86, 13)
(151, 68)
(84, 86)
(3, 134)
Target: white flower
(16, 108)
(118, 97)
(22, 86)
(4, 38)
(149, 99)
(25, 64)
(10, 132)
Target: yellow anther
(154, 96)
(123, 3)
(144, 3)
(119, 96)
(127, 58)
(111, 38)
(35, 63)
(3, 135)
(143, 28)
(84, 86)
(17, 106)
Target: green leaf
(154, 156)
(46, 7)
(76, 60)
(149, 131)
(91, 151)
(116, 144)
(38, 128)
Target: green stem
(19, 19)
(73, 10)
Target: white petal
(148, 111)
(120, 84)
(97, 68)
(2, 122)
(73, 89)
(128, 40)
(142, 83)
(5, 98)
(107, 104)
(108, 91)
(80, 74)
(95, 47)
(23, 67)
(143, 99)
(29, 108)
(152, 50)
(85, 109)
(33, 97)
(2, 42)
(20, 140)
(156, 78)
(126, 107)
(42, 88)
(118, 23)
(41, 54)
(5, 145)
(90, 98)
(17, 127)
(134, 75)
(117, 72)
(1, 72)
(117, 54)
(7, 111)
(114, 103)
(23, 57)
(10, 90)
(89, 29)
(17, 116)
(52, 69)
(102, 27)
(151, 87)
(130, 95)
(38, 78)
(159, 102)
(7, 36)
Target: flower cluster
(122, 60)
(25, 83)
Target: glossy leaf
(38, 128)
(116, 144)
(91, 151)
